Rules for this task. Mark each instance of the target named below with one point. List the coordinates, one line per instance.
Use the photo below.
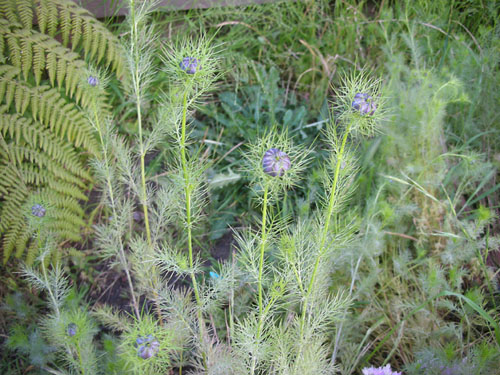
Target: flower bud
(92, 81)
(364, 104)
(71, 329)
(38, 210)
(147, 346)
(275, 162)
(190, 65)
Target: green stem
(263, 240)
(187, 192)
(80, 357)
(324, 233)
(49, 289)
(123, 258)
(262, 247)
(138, 98)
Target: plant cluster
(362, 213)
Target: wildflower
(92, 81)
(380, 371)
(38, 210)
(364, 104)
(275, 162)
(190, 65)
(214, 275)
(71, 329)
(147, 346)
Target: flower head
(364, 103)
(275, 162)
(360, 103)
(92, 81)
(71, 329)
(38, 210)
(147, 346)
(379, 371)
(190, 65)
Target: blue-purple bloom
(275, 162)
(38, 210)
(190, 65)
(380, 371)
(71, 329)
(364, 104)
(147, 346)
(92, 81)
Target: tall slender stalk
(263, 240)
(324, 233)
(262, 247)
(138, 99)
(121, 253)
(137, 61)
(187, 193)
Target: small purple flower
(38, 210)
(364, 104)
(147, 346)
(92, 81)
(275, 162)
(71, 329)
(379, 371)
(190, 65)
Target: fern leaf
(8, 11)
(52, 67)
(25, 11)
(65, 16)
(27, 55)
(76, 33)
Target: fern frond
(48, 107)
(10, 206)
(80, 28)
(35, 135)
(45, 137)
(22, 154)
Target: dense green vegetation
(300, 187)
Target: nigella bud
(92, 81)
(138, 216)
(190, 65)
(147, 347)
(38, 210)
(364, 104)
(71, 329)
(275, 162)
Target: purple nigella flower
(38, 210)
(190, 65)
(92, 81)
(364, 104)
(147, 346)
(275, 162)
(71, 329)
(379, 371)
